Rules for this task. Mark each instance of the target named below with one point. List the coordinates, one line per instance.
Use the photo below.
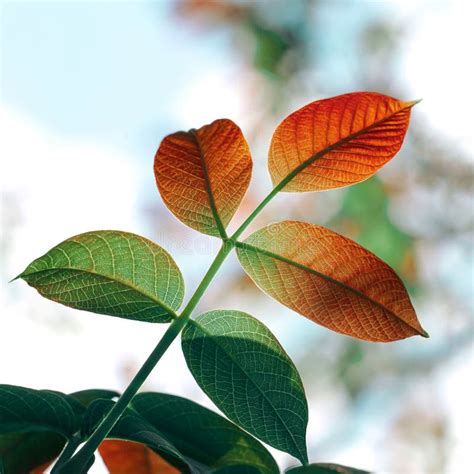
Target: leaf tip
(412, 103)
(423, 333)
(16, 278)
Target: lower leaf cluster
(167, 434)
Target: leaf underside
(110, 272)
(331, 280)
(203, 174)
(241, 366)
(338, 141)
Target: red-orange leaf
(202, 175)
(338, 141)
(125, 457)
(331, 280)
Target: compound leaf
(338, 141)
(241, 366)
(110, 272)
(202, 175)
(331, 280)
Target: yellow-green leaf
(110, 272)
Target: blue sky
(106, 71)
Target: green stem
(260, 207)
(76, 463)
(67, 452)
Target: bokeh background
(88, 91)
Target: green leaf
(22, 452)
(34, 426)
(26, 410)
(86, 397)
(132, 427)
(324, 468)
(202, 435)
(110, 272)
(241, 366)
(237, 469)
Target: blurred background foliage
(395, 408)
(281, 44)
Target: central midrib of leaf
(245, 246)
(108, 277)
(213, 338)
(335, 145)
(207, 181)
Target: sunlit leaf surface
(110, 272)
(331, 280)
(202, 175)
(239, 363)
(338, 141)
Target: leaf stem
(258, 209)
(67, 452)
(78, 461)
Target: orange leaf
(338, 141)
(331, 280)
(125, 457)
(202, 175)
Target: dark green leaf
(324, 468)
(34, 426)
(86, 397)
(22, 452)
(239, 363)
(202, 435)
(237, 469)
(28, 410)
(110, 272)
(131, 427)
